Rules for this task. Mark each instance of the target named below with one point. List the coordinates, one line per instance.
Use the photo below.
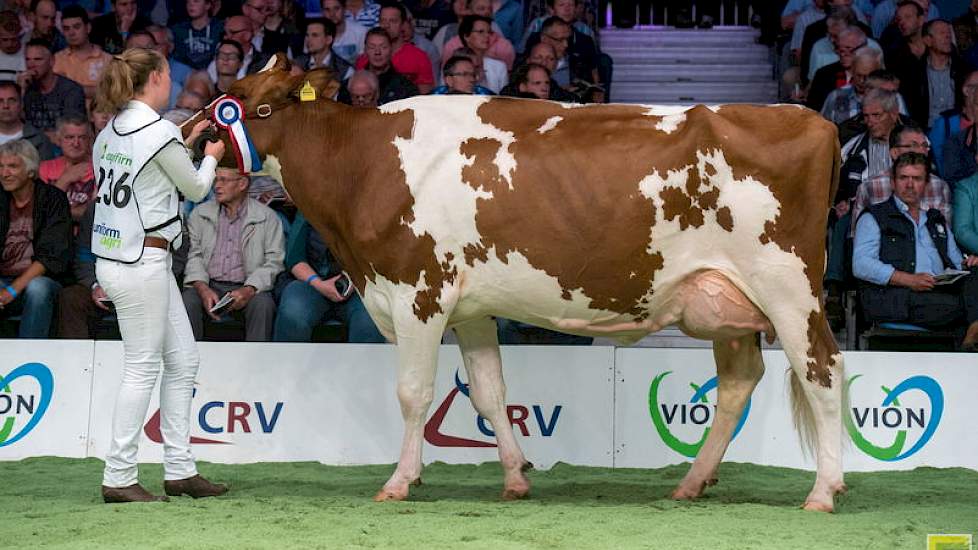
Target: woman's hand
(196, 132)
(214, 149)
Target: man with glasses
(846, 102)
(837, 74)
(576, 58)
(407, 59)
(239, 29)
(937, 193)
(392, 84)
(461, 76)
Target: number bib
(119, 158)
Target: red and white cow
(607, 220)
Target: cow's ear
(321, 80)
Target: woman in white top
(141, 163)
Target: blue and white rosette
(229, 115)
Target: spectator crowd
(249, 265)
(899, 80)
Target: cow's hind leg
(417, 353)
(739, 368)
(479, 344)
(817, 380)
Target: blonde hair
(126, 76)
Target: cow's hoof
(385, 495)
(682, 493)
(517, 486)
(516, 494)
(813, 506)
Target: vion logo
(532, 420)
(225, 417)
(686, 418)
(893, 420)
(22, 403)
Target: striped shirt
(226, 263)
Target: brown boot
(196, 487)
(132, 493)
(970, 342)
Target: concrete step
(689, 56)
(642, 72)
(694, 92)
(663, 36)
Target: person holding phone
(320, 291)
(141, 165)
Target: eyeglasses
(227, 56)
(557, 38)
(464, 74)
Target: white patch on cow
(739, 253)
(670, 123)
(269, 65)
(444, 205)
(550, 124)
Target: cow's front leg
(480, 352)
(417, 352)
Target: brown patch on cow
(725, 218)
(708, 200)
(361, 206)
(822, 348)
(483, 169)
(475, 252)
(677, 204)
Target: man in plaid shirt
(878, 188)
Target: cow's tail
(804, 415)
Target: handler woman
(141, 163)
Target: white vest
(122, 150)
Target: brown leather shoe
(132, 493)
(196, 487)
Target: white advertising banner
(905, 411)
(45, 394)
(337, 404)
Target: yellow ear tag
(307, 93)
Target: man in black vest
(900, 252)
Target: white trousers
(155, 331)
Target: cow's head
(264, 95)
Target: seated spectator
(179, 71)
(448, 31)
(99, 116)
(12, 125)
(531, 81)
(564, 9)
(497, 47)
(72, 171)
(81, 61)
(460, 76)
(109, 31)
(577, 68)
(47, 96)
(935, 84)
(966, 214)
(199, 83)
(937, 193)
(885, 14)
(837, 74)
(966, 33)
(43, 18)
(845, 102)
(815, 12)
(429, 15)
(239, 29)
(82, 304)
(897, 273)
(237, 248)
(363, 12)
(543, 54)
(227, 65)
(839, 17)
(364, 89)
(11, 46)
(954, 121)
(878, 80)
(35, 229)
(190, 101)
(195, 40)
(348, 42)
(393, 85)
(826, 51)
(280, 31)
(313, 296)
(406, 58)
(474, 34)
(319, 48)
(422, 43)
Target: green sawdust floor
(55, 502)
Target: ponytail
(126, 76)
